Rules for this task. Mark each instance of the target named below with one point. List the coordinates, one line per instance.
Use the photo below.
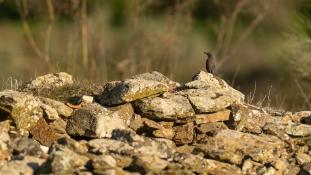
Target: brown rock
(213, 117)
(5, 152)
(211, 129)
(43, 133)
(184, 134)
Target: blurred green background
(263, 47)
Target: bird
(210, 63)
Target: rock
(185, 149)
(49, 112)
(122, 161)
(203, 80)
(5, 151)
(307, 168)
(60, 107)
(303, 158)
(292, 129)
(87, 99)
(201, 165)
(118, 92)
(211, 129)
(150, 127)
(24, 146)
(184, 134)
(150, 163)
(23, 108)
(43, 133)
(66, 161)
(249, 120)
(164, 133)
(211, 100)
(128, 143)
(173, 107)
(103, 162)
(233, 146)
(213, 117)
(136, 122)
(51, 81)
(58, 126)
(26, 166)
(157, 76)
(302, 116)
(125, 112)
(93, 121)
(68, 143)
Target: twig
(51, 16)
(304, 95)
(231, 24)
(21, 4)
(84, 33)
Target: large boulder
(23, 108)
(170, 107)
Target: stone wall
(147, 124)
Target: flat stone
(212, 117)
(200, 165)
(211, 129)
(233, 146)
(51, 81)
(118, 92)
(172, 107)
(93, 121)
(157, 76)
(28, 165)
(211, 100)
(292, 129)
(128, 143)
(43, 133)
(61, 108)
(184, 134)
(24, 108)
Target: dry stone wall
(147, 124)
